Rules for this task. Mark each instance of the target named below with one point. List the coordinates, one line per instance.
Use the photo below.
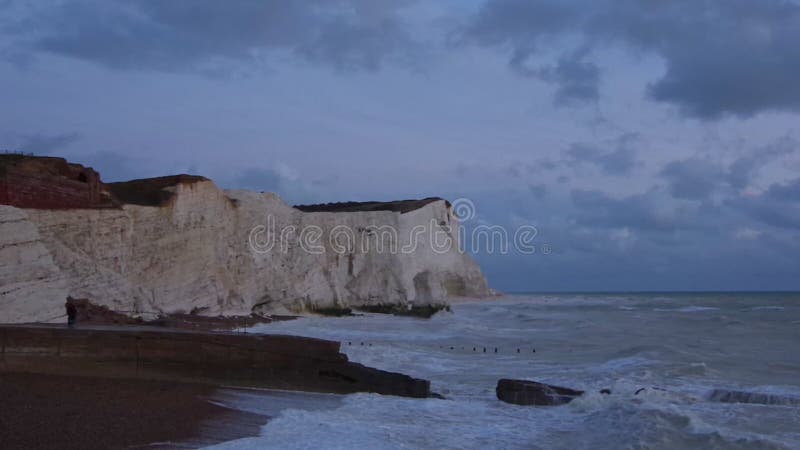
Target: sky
(653, 144)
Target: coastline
(54, 411)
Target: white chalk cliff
(195, 253)
(32, 287)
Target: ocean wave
(673, 367)
(382, 422)
(729, 396)
(687, 309)
(767, 308)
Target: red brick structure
(50, 183)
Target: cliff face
(201, 250)
(32, 287)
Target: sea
(661, 355)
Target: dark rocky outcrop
(89, 313)
(524, 392)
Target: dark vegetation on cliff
(423, 311)
(331, 311)
(401, 206)
(29, 181)
(91, 314)
(8, 160)
(150, 191)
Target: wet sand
(63, 412)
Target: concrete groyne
(251, 360)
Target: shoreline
(57, 411)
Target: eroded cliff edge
(182, 244)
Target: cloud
(747, 234)
(41, 143)
(280, 179)
(185, 35)
(538, 190)
(619, 160)
(742, 171)
(721, 57)
(698, 178)
(693, 178)
(596, 209)
(354, 46)
(646, 240)
(577, 80)
(785, 192)
(258, 179)
(116, 166)
(778, 206)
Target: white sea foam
(660, 368)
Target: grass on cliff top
(150, 191)
(9, 159)
(401, 206)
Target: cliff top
(150, 191)
(8, 160)
(48, 182)
(30, 164)
(401, 206)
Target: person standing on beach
(72, 313)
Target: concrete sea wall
(267, 361)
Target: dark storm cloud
(692, 179)
(742, 171)
(698, 178)
(352, 46)
(721, 57)
(619, 159)
(641, 241)
(576, 79)
(41, 143)
(523, 25)
(778, 206)
(788, 192)
(208, 34)
(597, 209)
